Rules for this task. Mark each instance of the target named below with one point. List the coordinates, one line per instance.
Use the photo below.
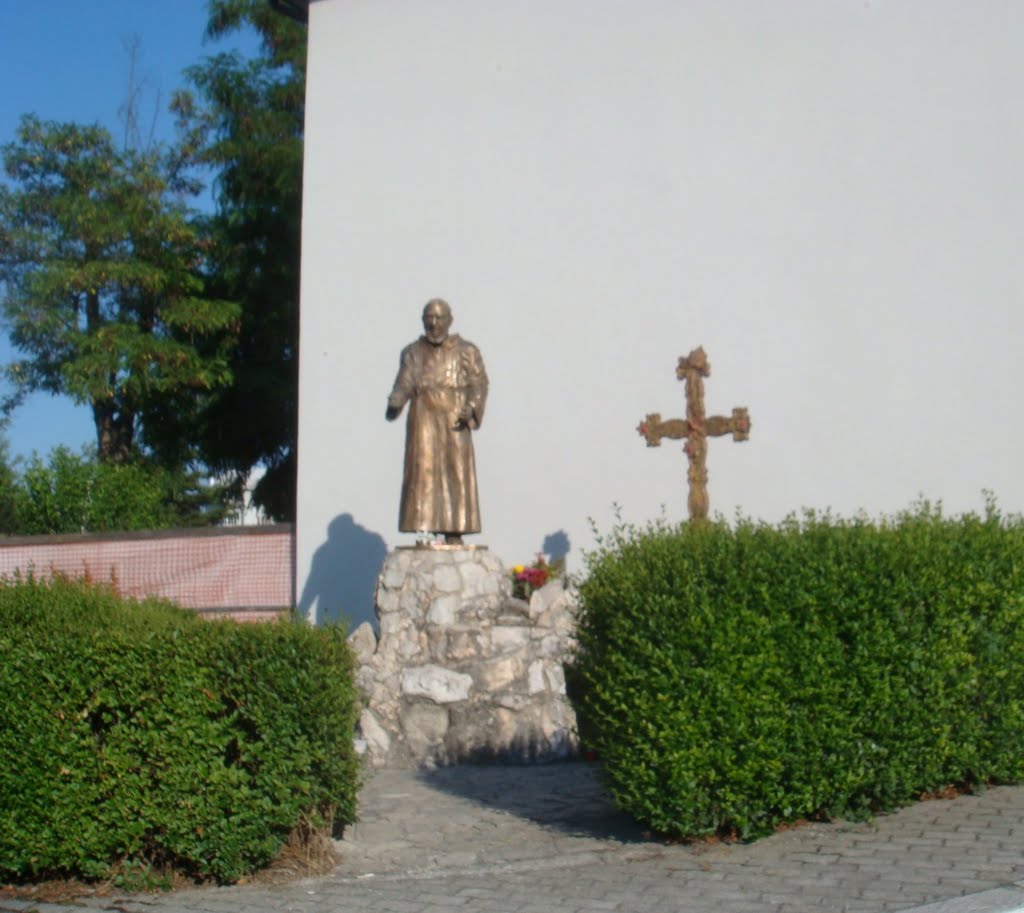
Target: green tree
(244, 120)
(7, 490)
(72, 493)
(103, 275)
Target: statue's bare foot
(452, 539)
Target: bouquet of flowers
(527, 578)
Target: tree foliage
(7, 496)
(244, 119)
(78, 493)
(179, 330)
(104, 276)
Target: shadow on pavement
(563, 795)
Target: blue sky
(66, 60)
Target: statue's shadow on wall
(343, 575)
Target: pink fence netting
(245, 572)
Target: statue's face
(437, 319)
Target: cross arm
(654, 429)
(738, 423)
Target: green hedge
(735, 679)
(139, 735)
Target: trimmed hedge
(735, 679)
(137, 735)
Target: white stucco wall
(827, 194)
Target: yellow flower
(518, 569)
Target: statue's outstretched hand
(392, 413)
(466, 419)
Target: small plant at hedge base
(527, 578)
(732, 680)
(136, 876)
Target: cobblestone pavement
(545, 838)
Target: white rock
(494, 676)
(365, 679)
(516, 702)
(442, 609)
(542, 599)
(552, 646)
(495, 566)
(455, 671)
(446, 579)
(506, 725)
(390, 623)
(425, 727)
(535, 677)
(478, 580)
(409, 644)
(556, 678)
(395, 568)
(506, 637)
(462, 645)
(442, 686)
(363, 642)
(376, 738)
(387, 600)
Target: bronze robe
(439, 491)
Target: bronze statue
(695, 429)
(442, 377)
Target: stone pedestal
(462, 671)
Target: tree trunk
(115, 432)
(115, 424)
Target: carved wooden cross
(695, 428)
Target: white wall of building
(828, 195)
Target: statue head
(437, 320)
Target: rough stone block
(461, 670)
(511, 701)
(506, 726)
(541, 600)
(409, 644)
(394, 573)
(387, 600)
(552, 645)
(363, 643)
(424, 726)
(498, 674)
(390, 623)
(377, 739)
(447, 579)
(442, 609)
(505, 638)
(535, 677)
(478, 580)
(461, 645)
(437, 683)
(556, 678)
(495, 567)
(411, 604)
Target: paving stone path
(545, 838)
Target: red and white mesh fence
(244, 571)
